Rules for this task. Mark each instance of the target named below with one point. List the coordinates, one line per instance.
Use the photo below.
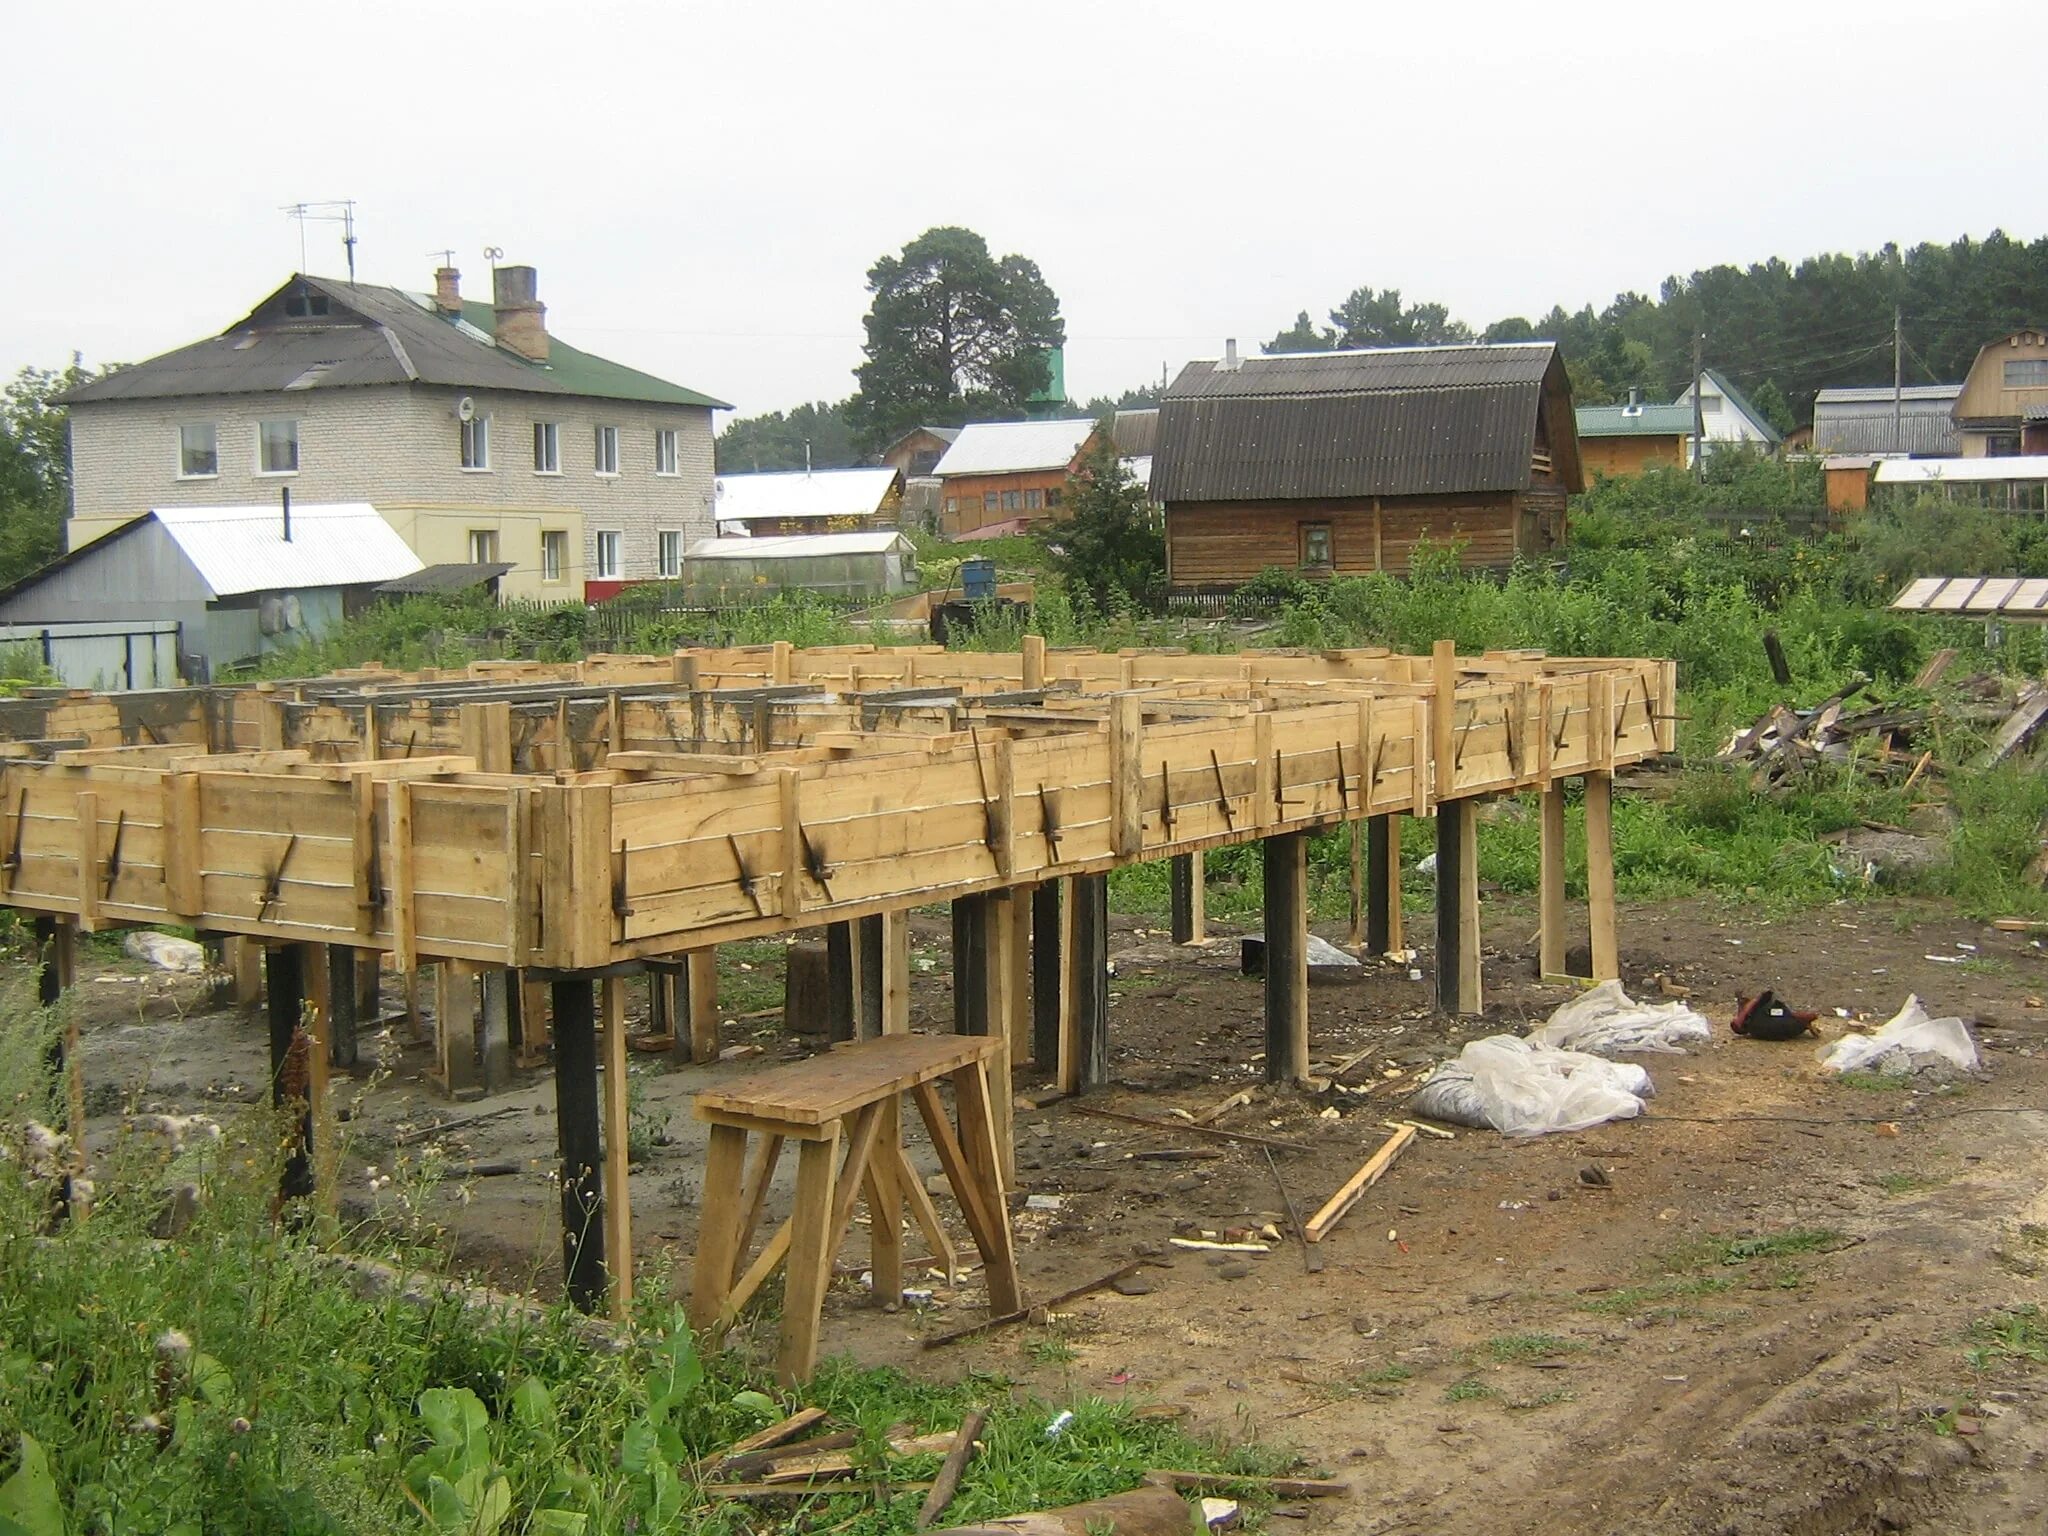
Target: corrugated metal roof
(372, 335)
(456, 576)
(796, 546)
(1954, 471)
(1012, 447)
(1635, 421)
(1135, 432)
(800, 493)
(1394, 421)
(2009, 595)
(1859, 420)
(238, 550)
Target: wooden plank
(1600, 875)
(399, 874)
(1550, 883)
(87, 823)
(1126, 774)
(722, 1213)
(618, 1211)
(825, 1088)
(810, 1258)
(181, 846)
(1348, 1193)
(702, 982)
(455, 1027)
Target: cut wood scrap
(808, 1469)
(744, 1464)
(935, 1444)
(2020, 925)
(1416, 1125)
(1216, 1112)
(1918, 769)
(1155, 1510)
(779, 1433)
(1334, 1208)
(460, 1122)
(1189, 1129)
(1100, 1282)
(1222, 1482)
(1936, 668)
(757, 1492)
(2019, 725)
(1174, 1155)
(948, 1480)
(1203, 1245)
(1337, 1073)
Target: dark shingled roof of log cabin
(1391, 421)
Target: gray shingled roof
(1396, 421)
(371, 335)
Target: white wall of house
(1724, 423)
(401, 446)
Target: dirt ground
(1492, 1340)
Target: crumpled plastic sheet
(1607, 1021)
(1902, 1044)
(1526, 1088)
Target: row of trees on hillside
(1780, 330)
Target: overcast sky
(703, 186)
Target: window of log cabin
(1315, 546)
(1053, 495)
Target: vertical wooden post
(285, 987)
(1550, 883)
(495, 1045)
(1084, 1039)
(1285, 860)
(841, 1002)
(575, 1032)
(1032, 663)
(1190, 906)
(1457, 908)
(1005, 978)
(369, 988)
(1356, 838)
(618, 1209)
(970, 965)
(869, 939)
(895, 973)
(1382, 884)
(702, 982)
(455, 1027)
(322, 1132)
(244, 960)
(1600, 875)
(339, 1012)
(1126, 774)
(1443, 716)
(1048, 976)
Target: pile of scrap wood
(1887, 740)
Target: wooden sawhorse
(851, 1094)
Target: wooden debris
(1188, 1129)
(1100, 1282)
(1223, 1482)
(1216, 1112)
(948, 1480)
(1153, 1510)
(757, 1492)
(1334, 1208)
(744, 1464)
(1311, 1257)
(775, 1434)
(1203, 1245)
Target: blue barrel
(978, 578)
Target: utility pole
(1699, 409)
(1898, 379)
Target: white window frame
(605, 451)
(612, 541)
(547, 445)
(665, 464)
(667, 540)
(489, 536)
(555, 542)
(475, 452)
(212, 427)
(298, 457)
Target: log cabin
(1340, 463)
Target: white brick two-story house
(475, 433)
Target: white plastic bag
(1893, 1049)
(1525, 1088)
(1606, 1020)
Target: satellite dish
(465, 409)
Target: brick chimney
(448, 290)
(521, 323)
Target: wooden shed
(1339, 463)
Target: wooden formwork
(542, 824)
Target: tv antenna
(340, 211)
(494, 254)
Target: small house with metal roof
(1727, 418)
(1002, 476)
(239, 582)
(1340, 463)
(477, 433)
(801, 501)
(1913, 421)
(1624, 440)
(2002, 409)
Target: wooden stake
(1550, 884)
(618, 1216)
(1600, 875)
(1368, 1175)
(948, 1480)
